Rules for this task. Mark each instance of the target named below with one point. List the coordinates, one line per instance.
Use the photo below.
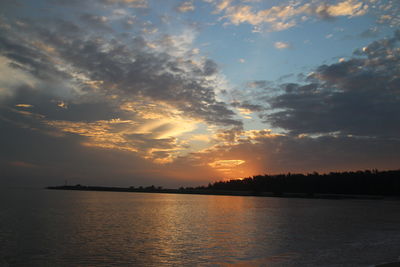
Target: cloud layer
(125, 92)
(359, 96)
(288, 14)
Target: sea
(40, 227)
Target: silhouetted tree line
(359, 182)
(374, 182)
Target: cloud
(226, 165)
(210, 68)
(186, 7)
(270, 153)
(34, 158)
(351, 8)
(23, 105)
(257, 84)
(289, 14)
(22, 164)
(358, 96)
(110, 94)
(89, 94)
(96, 22)
(98, 66)
(246, 105)
(146, 136)
(128, 3)
(39, 155)
(282, 45)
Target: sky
(183, 93)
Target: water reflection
(66, 228)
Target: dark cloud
(355, 97)
(65, 2)
(127, 3)
(96, 21)
(87, 87)
(36, 153)
(11, 4)
(27, 58)
(76, 79)
(30, 156)
(34, 158)
(210, 67)
(126, 67)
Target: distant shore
(217, 192)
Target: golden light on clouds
(45, 47)
(100, 133)
(156, 131)
(231, 168)
(345, 8)
(62, 104)
(149, 109)
(201, 137)
(119, 134)
(226, 164)
(283, 17)
(167, 127)
(24, 106)
(245, 112)
(93, 84)
(114, 80)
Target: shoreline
(221, 192)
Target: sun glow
(226, 165)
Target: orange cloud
(225, 164)
(24, 106)
(22, 164)
(279, 18)
(346, 8)
(152, 137)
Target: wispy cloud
(282, 45)
(24, 105)
(186, 7)
(128, 3)
(289, 14)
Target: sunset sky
(170, 93)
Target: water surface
(78, 228)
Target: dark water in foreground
(70, 228)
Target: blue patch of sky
(312, 43)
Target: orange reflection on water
(219, 229)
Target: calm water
(71, 228)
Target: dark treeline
(360, 183)
(312, 185)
